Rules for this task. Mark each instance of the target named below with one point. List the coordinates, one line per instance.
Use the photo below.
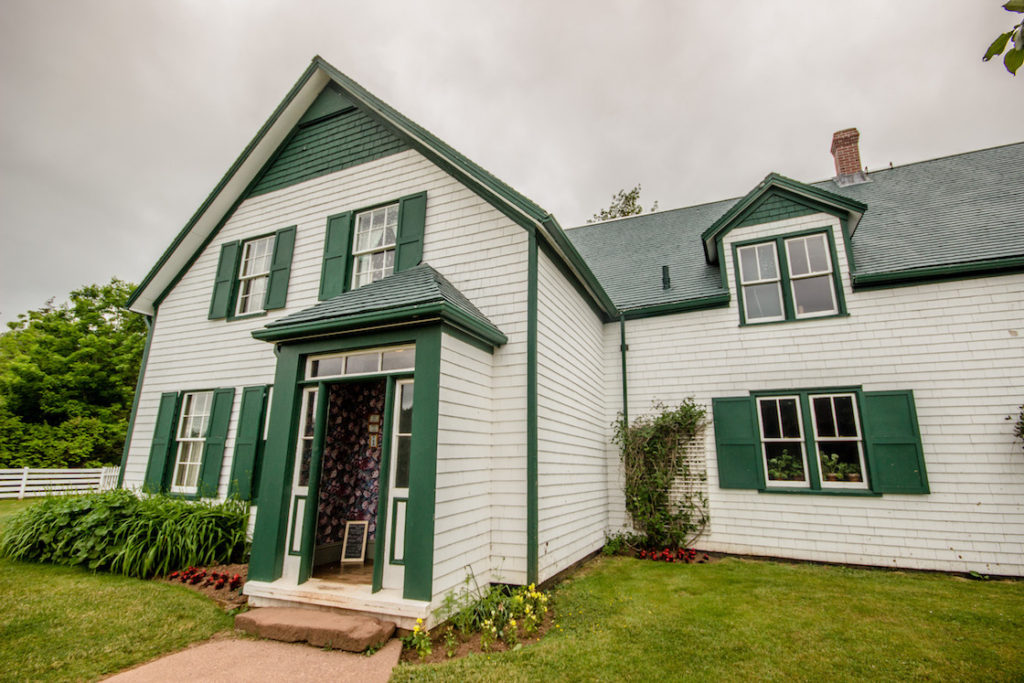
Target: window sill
(824, 492)
(794, 320)
(258, 314)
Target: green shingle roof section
(950, 212)
(418, 293)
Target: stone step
(322, 629)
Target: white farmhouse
(361, 325)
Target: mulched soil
(228, 599)
(471, 644)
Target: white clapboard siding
(959, 345)
(26, 482)
(462, 232)
(572, 427)
(462, 507)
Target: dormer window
(373, 253)
(788, 278)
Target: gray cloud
(118, 117)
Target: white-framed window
(362, 362)
(782, 441)
(838, 439)
(193, 424)
(373, 247)
(761, 282)
(810, 276)
(254, 275)
(787, 278)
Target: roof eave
(417, 314)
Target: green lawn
(626, 619)
(68, 624)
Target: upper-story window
(254, 274)
(373, 253)
(788, 278)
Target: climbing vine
(653, 450)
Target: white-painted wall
(571, 424)
(462, 507)
(481, 251)
(959, 345)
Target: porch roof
(411, 296)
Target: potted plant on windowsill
(785, 467)
(831, 468)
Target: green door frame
(270, 533)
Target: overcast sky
(117, 118)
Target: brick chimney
(847, 157)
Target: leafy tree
(624, 203)
(67, 379)
(1014, 57)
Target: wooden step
(321, 629)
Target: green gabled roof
(775, 183)
(239, 179)
(412, 296)
(960, 214)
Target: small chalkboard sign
(353, 549)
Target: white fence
(26, 482)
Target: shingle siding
(958, 345)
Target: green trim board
(384, 480)
(685, 306)
(794, 191)
(532, 433)
(953, 271)
(623, 348)
(270, 533)
(785, 282)
(150, 323)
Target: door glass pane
(402, 458)
(364, 362)
(310, 417)
(770, 419)
(790, 418)
(798, 264)
(762, 301)
(813, 295)
(823, 416)
(307, 452)
(405, 410)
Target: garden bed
(208, 583)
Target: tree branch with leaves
(1014, 57)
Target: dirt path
(247, 660)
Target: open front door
(294, 568)
(398, 486)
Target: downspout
(135, 399)
(532, 511)
(623, 347)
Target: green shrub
(121, 533)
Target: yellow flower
(415, 629)
(419, 621)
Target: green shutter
(161, 450)
(224, 284)
(216, 435)
(247, 442)
(412, 216)
(337, 250)
(280, 269)
(737, 443)
(895, 456)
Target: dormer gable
(775, 198)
